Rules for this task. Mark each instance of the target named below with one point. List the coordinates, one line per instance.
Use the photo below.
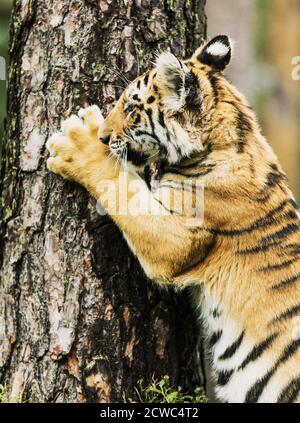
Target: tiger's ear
(180, 85)
(216, 53)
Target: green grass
(3, 394)
(4, 398)
(160, 391)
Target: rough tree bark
(79, 321)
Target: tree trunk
(79, 320)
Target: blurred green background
(5, 8)
(267, 34)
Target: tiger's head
(158, 117)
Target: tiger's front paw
(77, 149)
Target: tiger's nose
(105, 139)
(119, 142)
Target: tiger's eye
(177, 115)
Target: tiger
(186, 123)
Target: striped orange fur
(245, 252)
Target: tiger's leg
(162, 241)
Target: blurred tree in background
(236, 18)
(277, 43)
